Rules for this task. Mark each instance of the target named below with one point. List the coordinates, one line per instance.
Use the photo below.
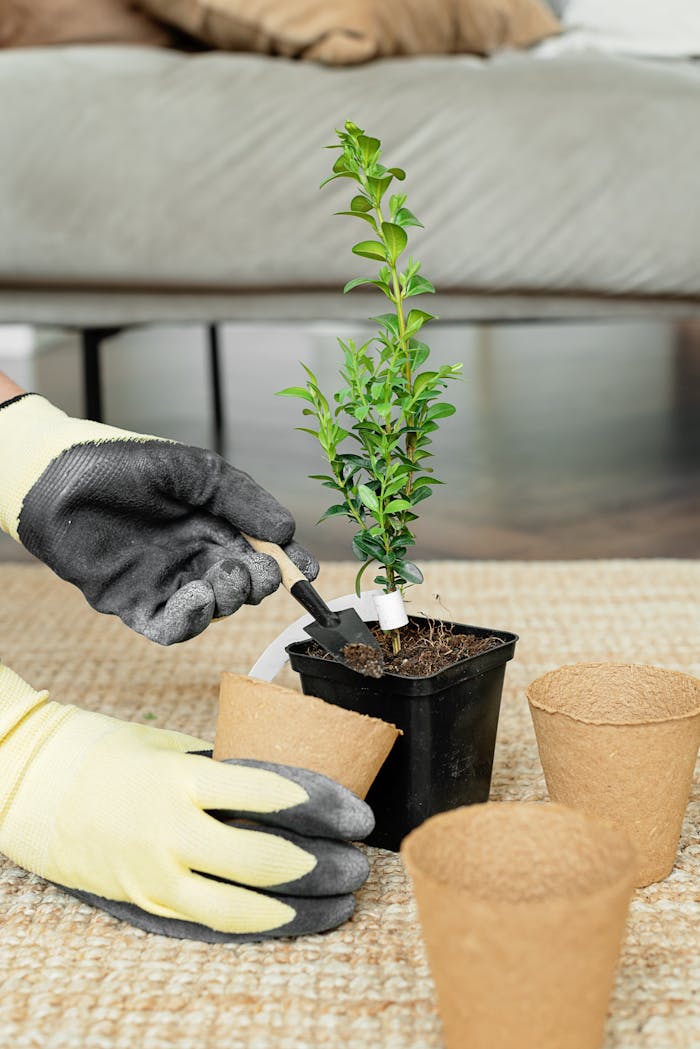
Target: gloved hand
(148, 529)
(121, 815)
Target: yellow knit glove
(117, 814)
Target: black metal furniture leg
(92, 380)
(92, 339)
(216, 396)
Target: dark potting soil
(365, 659)
(426, 647)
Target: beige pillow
(340, 32)
(35, 23)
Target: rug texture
(75, 978)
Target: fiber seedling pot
(522, 908)
(449, 720)
(268, 723)
(620, 741)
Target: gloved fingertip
(281, 529)
(355, 871)
(303, 559)
(265, 577)
(186, 614)
(356, 821)
(331, 811)
(230, 582)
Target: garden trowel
(342, 634)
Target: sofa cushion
(342, 32)
(151, 169)
(670, 29)
(35, 23)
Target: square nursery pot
(449, 720)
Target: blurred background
(570, 440)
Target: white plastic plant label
(390, 610)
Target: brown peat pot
(522, 907)
(444, 758)
(266, 722)
(619, 740)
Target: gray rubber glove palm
(149, 530)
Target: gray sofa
(143, 186)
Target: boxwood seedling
(375, 431)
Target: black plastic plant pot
(449, 721)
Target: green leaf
(396, 506)
(310, 374)
(369, 148)
(334, 511)
(440, 411)
(356, 282)
(370, 249)
(341, 174)
(394, 486)
(358, 577)
(357, 549)
(423, 380)
(420, 494)
(368, 497)
(296, 391)
(379, 186)
(419, 354)
(359, 215)
(398, 173)
(360, 203)
(419, 286)
(395, 238)
(416, 319)
(409, 571)
(388, 320)
(367, 546)
(404, 217)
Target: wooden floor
(564, 445)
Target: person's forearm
(8, 388)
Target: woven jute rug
(74, 978)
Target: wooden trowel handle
(294, 580)
(290, 573)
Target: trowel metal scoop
(333, 631)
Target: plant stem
(401, 321)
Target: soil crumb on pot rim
(520, 852)
(617, 693)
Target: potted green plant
(442, 682)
